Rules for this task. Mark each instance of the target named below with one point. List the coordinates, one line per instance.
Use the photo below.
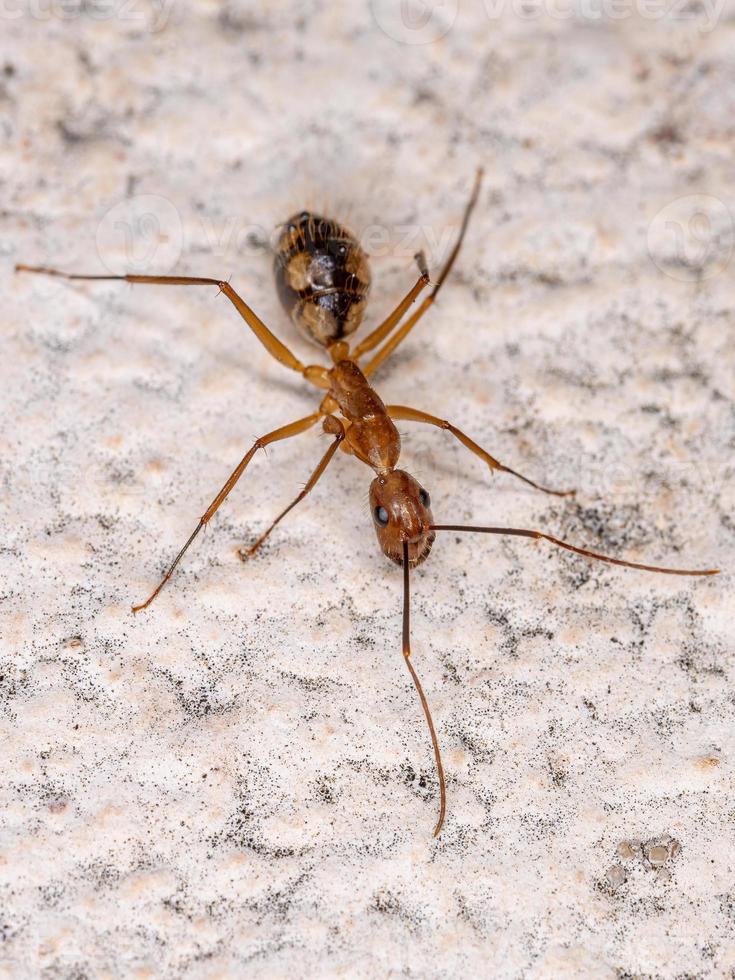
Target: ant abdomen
(322, 277)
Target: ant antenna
(417, 683)
(523, 533)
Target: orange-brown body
(370, 435)
(400, 507)
(323, 280)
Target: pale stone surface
(238, 782)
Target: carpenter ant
(323, 280)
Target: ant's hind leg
(285, 432)
(394, 318)
(271, 343)
(401, 413)
(407, 326)
(331, 425)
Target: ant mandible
(323, 280)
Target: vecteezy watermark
(414, 21)
(426, 21)
(141, 234)
(144, 234)
(404, 241)
(152, 15)
(705, 13)
(400, 241)
(692, 238)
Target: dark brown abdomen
(322, 277)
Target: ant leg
(401, 413)
(285, 432)
(332, 425)
(271, 343)
(539, 535)
(373, 339)
(391, 344)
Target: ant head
(401, 511)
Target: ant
(323, 280)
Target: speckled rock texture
(238, 782)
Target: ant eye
(381, 516)
(304, 216)
(424, 498)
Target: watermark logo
(426, 21)
(142, 234)
(415, 21)
(705, 14)
(692, 238)
(151, 15)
